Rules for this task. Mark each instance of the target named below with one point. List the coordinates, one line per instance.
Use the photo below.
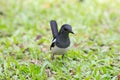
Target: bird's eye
(65, 29)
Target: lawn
(25, 38)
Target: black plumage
(61, 39)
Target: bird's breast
(58, 51)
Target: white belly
(59, 51)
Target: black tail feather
(54, 28)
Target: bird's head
(66, 28)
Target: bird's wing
(53, 43)
(54, 28)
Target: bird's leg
(52, 56)
(62, 56)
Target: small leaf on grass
(38, 37)
(21, 46)
(119, 77)
(26, 50)
(47, 5)
(76, 45)
(48, 72)
(39, 62)
(118, 30)
(72, 72)
(4, 34)
(2, 13)
(85, 51)
(43, 49)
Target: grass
(25, 38)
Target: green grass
(25, 38)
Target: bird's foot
(62, 56)
(52, 56)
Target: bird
(61, 40)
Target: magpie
(61, 41)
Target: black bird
(61, 41)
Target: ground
(25, 38)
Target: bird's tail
(54, 28)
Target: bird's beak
(72, 32)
